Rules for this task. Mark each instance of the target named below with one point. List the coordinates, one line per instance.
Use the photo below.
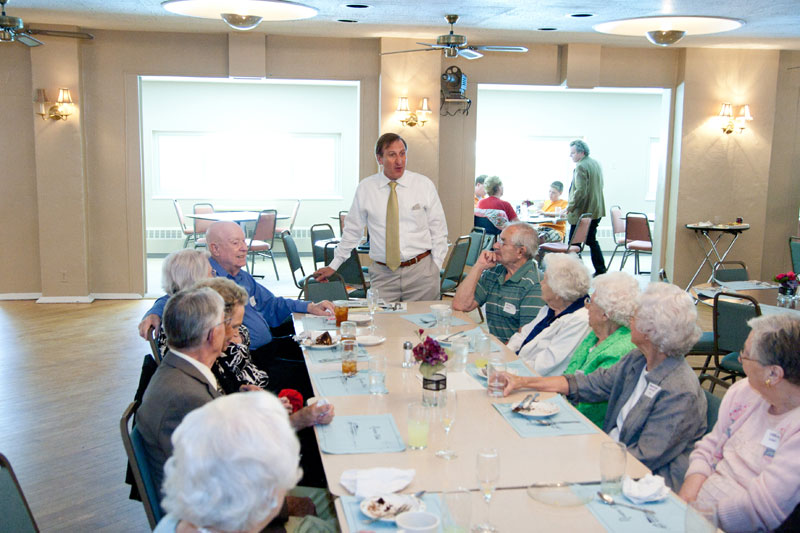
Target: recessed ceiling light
(357, 6)
(668, 26)
(348, 21)
(581, 15)
(546, 29)
(240, 14)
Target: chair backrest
(454, 267)
(342, 216)
(333, 289)
(730, 271)
(476, 238)
(617, 221)
(265, 227)
(14, 509)
(486, 224)
(320, 232)
(293, 256)
(794, 249)
(181, 220)
(200, 225)
(152, 338)
(350, 270)
(712, 412)
(637, 228)
(293, 217)
(134, 448)
(730, 316)
(582, 231)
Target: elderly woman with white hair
(655, 404)
(231, 473)
(545, 345)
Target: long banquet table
(571, 458)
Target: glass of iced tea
(347, 330)
(340, 312)
(349, 357)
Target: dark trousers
(594, 247)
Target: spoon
(609, 500)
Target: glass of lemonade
(418, 426)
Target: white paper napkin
(648, 489)
(373, 481)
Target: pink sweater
(755, 488)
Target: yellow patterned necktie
(392, 229)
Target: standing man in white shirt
(406, 224)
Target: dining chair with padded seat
(334, 288)
(295, 263)
(342, 216)
(200, 225)
(290, 223)
(617, 231)
(638, 239)
(321, 234)
(262, 240)
(453, 271)
(477, 239)
(578, 241)
(713, 402)
(135, 450)
(14, 509)
(188, 231)
(730, 314)
(351, 271)
(794, 250)
(730, 271)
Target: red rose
(294, 397)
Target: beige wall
(747, 168)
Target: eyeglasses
(745, 358)
(500, 241)
(587, 300)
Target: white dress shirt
(422, 222)
(212, 379)
(548, 353)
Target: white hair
(233, 459)
(615, 293)
(667, 316)
(183, 268)
(525, 237)
(567, 276)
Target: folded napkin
(374, 481)
(648, 489)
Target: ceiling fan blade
(404, 51)
(490, 48)
(27, 40)
(61, 33)
(435, 46)
(469, 53)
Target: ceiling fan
(12, 29)
(455, 45)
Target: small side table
(709, 244)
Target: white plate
(538, 410)
(370, 340)
(309, 342)
(372, 508)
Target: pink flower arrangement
(787, 280)
(430, 354)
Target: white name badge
(651, 390)
(509, 308)
(252, 301)
(771, 439)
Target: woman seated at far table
(494, 189)
(610, 308)
(655, 404)
(749, 465)
(545, 345)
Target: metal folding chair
(578, 241)
(200, 225)
(321, 234)
(187, 231)
(617, 230)
(453, 271)
(292, 218)
(295, 264)
(638, 239)
(351, 271)
(263, 239)
(730, 271)
(332, 289)
(730, 315)
(477, 238)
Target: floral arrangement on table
(429, 354)
(788, 282)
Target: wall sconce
(412, 119)
(58, 110)
(730, 123)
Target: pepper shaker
(408, 354)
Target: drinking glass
(447, 409)
(349, 357)
(612, 467)
(488, 466)
(483, 346)
(460, 350)
(348, 330)
(456, 510)
(418, 424)
(377, 374)
(340, 312)
(442, 314)
(372, 302)
(496, 381)
(701, 517)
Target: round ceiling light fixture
(664, 31)
(240, 14)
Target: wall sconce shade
(730, 123)
(413, 119)
(59, 110)
(402, 104)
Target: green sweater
(605, 354)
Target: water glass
(373, 300)
(488, 473)
(701, 517)
(442, 314)
(349, 357)
(456, 510)
(496, 382)
(377, 374)
(418, 426)
(446, 414)
(348, 330)
(459, 349)
(612, 467)
(483, 346)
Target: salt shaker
(408, 354)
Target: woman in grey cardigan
(655, 404)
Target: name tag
(509, 308)
(252, 301)
(651, 390)
(771, 440)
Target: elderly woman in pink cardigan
(749, 465)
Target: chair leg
(271, 256)
(625, 255)
(636, 263)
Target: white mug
(417, 522)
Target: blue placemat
(670, 514)
(360, 434)
(318, 323)
(427, 320)
(518, 366)
(356, 520)
(473, 334)
(334, 383)
(565, 422)
(332, 355)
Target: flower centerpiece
(429, 354)
(788, 282)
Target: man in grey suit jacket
(586, 196)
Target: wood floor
(66, 374)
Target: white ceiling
(768, 23)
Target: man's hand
(323, 308)
(311, 415)
(486, 260)
(323, 273)
(286, 404)
(249, 387)
(147, 322)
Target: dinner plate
(370, 340)
(559, 494)
(384, 507)
(538, 410)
